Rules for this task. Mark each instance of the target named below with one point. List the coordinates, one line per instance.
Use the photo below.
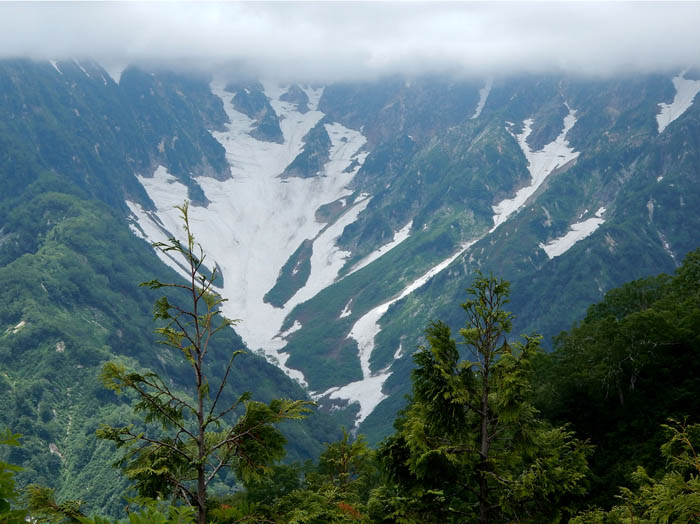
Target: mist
(348, 41)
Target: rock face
(252, 102)
(296, 95)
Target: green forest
(603, 429)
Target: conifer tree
(470, 446)
(191, 433)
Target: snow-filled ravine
(368, 391)
(685, 94)
(541, 164)
(256, 220)
(483, 97)
(399, 236)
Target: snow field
(256, 220)
(164, 189)
(81, 68)
(683, 99)
(314, 94)
(346, 312)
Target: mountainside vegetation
(628, 367)
(498, 432)
(598, 423)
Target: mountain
(72, 142)
(343, 218)
(384, 198)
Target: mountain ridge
(400, 177)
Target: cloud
(331, 41)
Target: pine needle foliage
(470, 446)
(193, 433)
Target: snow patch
(659, 178)
(327, 259)
(367, 392)
(80, 66)
(682, 100)
(667, 248)
(399, 236)
(345, 147)
(483, 96)
(55, 66)
(540, 164)
(53, 449)
(167, 192)
(547, 222)
(578, 231)
(346, 310)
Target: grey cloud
(331, 41)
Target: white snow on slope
(368, 391)
(295, 327)
(167, 192)
(55, 66)
(314, 94)
(81, 68)
(327, 259)
(256, 220)
(16, 329)
(399, 236)
(346, 312)
(115, 72)
(540, 164)
(483, 96)
(578, 231)
(683, 99)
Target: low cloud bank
(345, 41)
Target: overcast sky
(331, 41)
